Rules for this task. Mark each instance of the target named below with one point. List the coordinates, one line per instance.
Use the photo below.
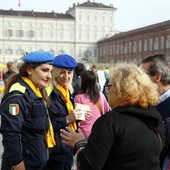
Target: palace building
(134, 45)
(76, 32)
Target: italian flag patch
(14, 109)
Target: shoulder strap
(20, 92)
(17, 86)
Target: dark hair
(79, 69)
(23, 73)
(151, 58)
(9, 64)
(88, 85)
(159, 63)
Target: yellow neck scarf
(49, 135)
(64, 92)
(32, 86)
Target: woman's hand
(82, 114)
(70, 137)
(70, 118)
(88, 114)
(78, 113)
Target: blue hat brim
(64, 61)
(39, 57)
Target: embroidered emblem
(14, 109)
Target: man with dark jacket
(10, 72)
(158, 68)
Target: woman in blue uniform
(62, 111)
(24, 114)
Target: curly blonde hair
(132, 85)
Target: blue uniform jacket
(23, 133)
(60, 152)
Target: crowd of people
(56, 116)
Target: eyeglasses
(107, 87)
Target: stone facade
(76, 32)
(134, 45)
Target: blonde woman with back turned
(128, 136)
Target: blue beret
(39, 57)
(64, 61)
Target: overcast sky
(130, 14)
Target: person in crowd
(94, 69)
(62, 111)
(24, 114)
(10, 71)
(90, 95)
(106, 75)
(158, 68)
(131, 135)
(76, 77)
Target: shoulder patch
(18, 87)
(13, 109)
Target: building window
(41, 34)
(117, 49)
(151, 44)
(95, 52)
(145, 45)
(61, 35)
(88, 18)
(134, 47)
(103, 18)
(107, 50)
(88, 36)
(125, 48)
(140, 45)
(168, 42)
(9, 51)
(104, 51)
(30, 33)
(110, 50)
(20, 51)
(9, 23)
(100, 51)
(8, 33)
(95, 18)
(121, 48)
(71, 35)
(156, 44)
(114, 49)
(19, 33)
(162, 43)
(51, 34)
(80, 36)
(130, 47)
(80, 17)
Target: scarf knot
(64, 92)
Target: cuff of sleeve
(80, 145)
